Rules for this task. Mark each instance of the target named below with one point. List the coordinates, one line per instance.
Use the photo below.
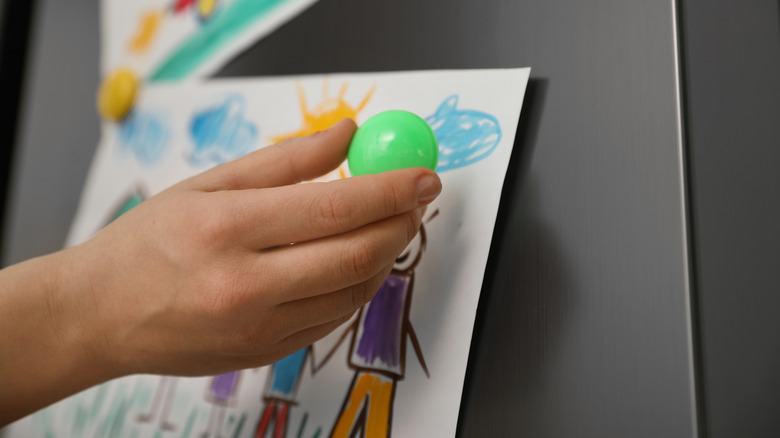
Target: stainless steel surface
(58, 128)
(733, 89)
(585, 324)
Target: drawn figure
(221, 393)
(465, 136)
(377, 350)
(280, 392)
(144, 134)
(161, 402)
(326, 114)
(221, 133)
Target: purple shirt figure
(380, 329)
(223, 388)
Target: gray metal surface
(733, 89)
(58, 128)
(585, 327)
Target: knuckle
(212, 225)
(361, 294)
(228, 177)
(332, 210)
(252, 336)
(393, 197)
(223, 294)
(412, 225)
(361, 260)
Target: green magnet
(392, 140)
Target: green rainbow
(217, 32)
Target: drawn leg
(373, 394)
(165, 424)
(380, 407)
(265, 419)
(210, 425)
(220, 421)
(281, 420)
(156, 399)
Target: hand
(240, 266)
(234, 268)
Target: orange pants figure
(370, 400)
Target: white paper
(163, 148)
(144, 35)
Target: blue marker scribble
(145, 135)
(465, 136)
(221, 133)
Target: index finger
(282, 215)
(287, 162)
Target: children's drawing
(169, 40)
(221, 133)
(152, 19)
(221, 393)
(465, 136)
(325, 114)
(133, 198)
(215, 34)
(149, 24)
(373, 389)
(144, 134)
(280, 392)
(377, 350)
(161, 403)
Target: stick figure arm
(416, 345)
(314, 365)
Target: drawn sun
(326, 113)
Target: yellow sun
(326, 113)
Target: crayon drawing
(465, 136)
(133, 198)
(377, 351)
(145, 135)
(400, 362)
(161, 405)
(152, 19)
(325, 114)
(148, 26)
(280, 394)
(221, 133)
(221, 394)
(166, 40)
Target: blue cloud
(465, 136)
(221, 133)
(145, 135)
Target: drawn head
(407, 261)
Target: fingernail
(428, 188)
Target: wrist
(47, 350)
(82, 312)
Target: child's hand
(240, 266)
